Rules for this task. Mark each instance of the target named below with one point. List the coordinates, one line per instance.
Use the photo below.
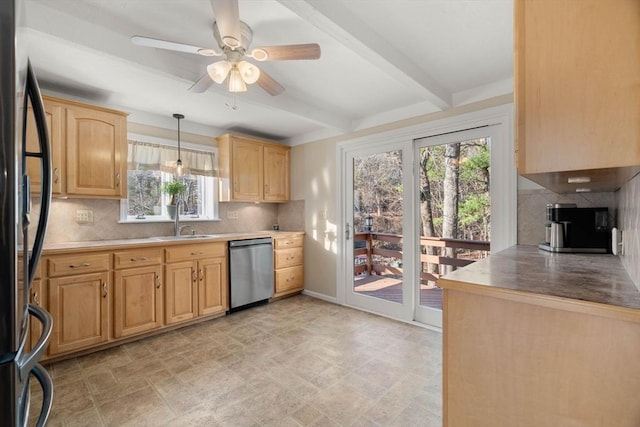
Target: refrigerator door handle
(46, 383)
(27, 361)
(33, 94)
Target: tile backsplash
(628, 198)
(62, 226)
(532, 207)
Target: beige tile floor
(295, 362)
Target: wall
(313, 178)
(251, 217)
(628, 199)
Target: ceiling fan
(234, 38)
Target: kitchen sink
(184, 237)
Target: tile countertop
(53, 248)
(584, 277)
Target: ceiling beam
(339, 22)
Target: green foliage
(173, 188)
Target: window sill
(183, 220)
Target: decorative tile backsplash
(62, 226)
(628, 198)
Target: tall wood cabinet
(88, 146)
(252, 170)
(577, 86)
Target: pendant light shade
(218, 71)
(179, 161)
(249, 72)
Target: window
(150, 166)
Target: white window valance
(148, 156)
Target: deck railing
(381, 253)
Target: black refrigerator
(19, 98)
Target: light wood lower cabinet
(138, 293)
(518, 359)
(196, 281)
(80, 307)
(288, 260)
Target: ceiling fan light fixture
(232, 42)
(236, 83)
(249, 72)
(218, 71)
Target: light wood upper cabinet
(276, 173)
(252, 170)
(88, 150)
(54, 112)
(96, 152)
(577, 86)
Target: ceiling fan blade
(227, 17)
(286, 52)
(267, 83)
(179, 47)
(202, 84)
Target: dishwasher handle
(249, 242)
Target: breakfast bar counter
(532, 338)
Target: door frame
(502, 157)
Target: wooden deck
(389, 288)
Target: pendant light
(179, 161)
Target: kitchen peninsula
(539, 339)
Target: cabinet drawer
(137, 258)
(75, 264)
(288, 242)
(190, 252)
(289, 278)
(288, 257)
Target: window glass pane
(144, 192)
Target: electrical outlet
(232, 214)
(84, 216)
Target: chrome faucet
(176, 224)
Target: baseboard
(320, 296)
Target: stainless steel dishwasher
(250, 272)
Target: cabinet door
(247, 170)
(181, 291)
(276, 173)
(577, 86)
(54, 117)
(96, 153)
(80, 309)
(212, 282)
(138, 300)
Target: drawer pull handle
(118, 179)
(197, 253)
(141, 258)
(104, 290)
(201, 272)
(36, 298)
(158, 284)
(56, 175)
(83, 265)
(193, 276)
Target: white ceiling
(381, 61)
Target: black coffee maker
(579, 230)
